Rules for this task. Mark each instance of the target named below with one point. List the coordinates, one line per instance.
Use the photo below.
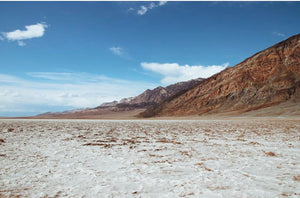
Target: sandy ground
(150, 158)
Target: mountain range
(265, 84)
(127, 107)
(267, 79)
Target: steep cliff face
(269, 77)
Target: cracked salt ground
(203, 158)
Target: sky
(57, 56)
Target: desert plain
(233, 157)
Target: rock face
(269, 77)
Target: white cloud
(173, 72)
(144, 9)
(32, 31)
(116, 50)
(152, 5)
(130, 9)
(47, 90)
(279, 34)
(119, 51)
(161, 3)
(57, 76)
(21, 43)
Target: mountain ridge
(127, 106)
(267, 78)
(150, 97)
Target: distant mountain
(155, 96)
(266, 79)
(127, 107)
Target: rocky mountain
(153, 97)
(127, 107)
(266, 79)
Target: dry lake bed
(150, 158)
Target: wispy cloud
(68, 90)
(117, 50)
(161, 3)
(21, 43)
(130, 9)
(142, 10)
(32, 31)
(53, 75)
(173, 72)
(279, 34)
(145, 8)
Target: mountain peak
(267, 78)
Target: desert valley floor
(150, 158)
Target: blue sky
(57, 56)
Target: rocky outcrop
(269, 77)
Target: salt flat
(150, 158)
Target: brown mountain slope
(152, 97)
(269, 77)
(159, 94)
